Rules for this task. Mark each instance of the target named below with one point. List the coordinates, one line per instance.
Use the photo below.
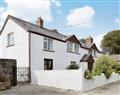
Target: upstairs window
(69, 46)
(76, 48)
(90, 52)
(72, 47)
(10, 39)
(48, 44)
(94, 53)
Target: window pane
(10, 39)
(76, 48)
(48, 64)
(48, 44)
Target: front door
(90, 66)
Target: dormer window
(76, 48)
(95, 53)
(69, 46)
(90, 52)
(10, 39)
(72, 47)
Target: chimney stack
(89, 40)
(39, 22)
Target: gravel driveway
(110, 89)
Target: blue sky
(97, 16)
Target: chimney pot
(39, 22)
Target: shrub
(106, 65)
(116, 68)
(73, 66)
(88, 75)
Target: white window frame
(76, 48)
(48, 44)
(94, 53)
(69, 46)
(10, 39)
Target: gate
(23, 75)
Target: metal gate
(23, 75)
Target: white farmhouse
(39, 48)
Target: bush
(88, 75)
(116, 68)
(73, 66)
(106, 65)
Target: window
(10, 39)
(70, 46)
(48, 64)
(73, 62)
(48, 44)
(76, 48)
(95, 55)
(90, 52)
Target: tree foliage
(111, 42)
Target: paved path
(110, 89)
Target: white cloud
(81, 17)
(98, 40)
(117, 21)
(30, 9)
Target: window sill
(73, 52)
(10, 45)
(48, 50)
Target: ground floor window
(48, 64)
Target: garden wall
(98, 81)
(65, 79)
(7, 73)
(70, 79)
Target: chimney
(39, 22)
(89, 40)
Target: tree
(111, 42)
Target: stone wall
(8, 76)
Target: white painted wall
(98, 81)
(65, 79)
(61, 58)
(70, 79)
(20, 51)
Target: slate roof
(87, 58)
(34, 28)
(42, 31)
(87, 45)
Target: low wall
(70, 79)
(65, 79)
(99, 81)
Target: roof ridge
(10, 16)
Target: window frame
(49, 44)
(76, 48)
(10, 39)
(48, 64)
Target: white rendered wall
(61, 58)
(98, 81)
(20, 51)
(70, 79)
(65, 79)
